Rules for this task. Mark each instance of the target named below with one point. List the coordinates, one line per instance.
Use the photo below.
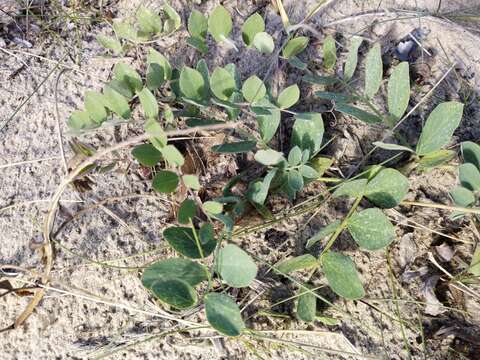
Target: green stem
(197, 240)
(342, 226)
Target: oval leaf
(358, 113)
(149, 103)
(192, 84)
(165, 181)
(399, 90)
(222, 83)
(183, 240)
(296, 263)
(268, 157)
(223, 314)
(387, 188)
(253, 89)
(252, 26)
(354, 188)
(469, 176)
(175, 292)
(295, 46)
(371, 229)
(288, 97)
(306, 306)
(197, 24)
(471, 153)
(329, 52)
(220, 23)
(373, 71)
(264, 43)
(352, 57)
(187, 270)
(187, 211)
(307, 132)
(236, 147)
(147, 155)
(439, 127)
(342, 275)
(235, 266)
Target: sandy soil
(78, 321)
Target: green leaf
(471, 153)
(387, 189)
(371, 229)
(197, 24)
(399, 90)
(192, 84)
(358, 113)
(126, 74)
(253, 89)
(198, 43)
(191, 181)
(187, 270)
(187, 211)
(295, 180)
(342, 275)
(469, 176)
(110, 43)
(338, 97)
(323, 233)
(158, 138)
(462, 197)
(149, 103)
(212, 207)
(386, 146)
(439, 127)
(222, 83)
(373, 71)
(223, 314)
(295, 46)
(182, 240)
(79, 120)
(329, 52)
(95, 107)
(148, 22)
(259, 193)
(307, 132)
(236, 147)
(353, 188)
(174, 21)
(306, 306)
(268, 157)
(155, 76)
(294, 156)
(252, 26)
(175, 292)
(474, 268)
(288, 97)
(308, 172)
(321, 164)
(165, 181)
(154, 57)
(268, 121)
(120, 87)
(235, 266)
(352, 57)
(296, 263)
(220, 23)
(264, 43)
(116, 102)
(125, 30)
(320, 80)
(172, 155)
(435, 158)
(297, 63)
(147, 155)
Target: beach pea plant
(186, 96)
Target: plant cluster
(189, 94)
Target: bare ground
(109, 307)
